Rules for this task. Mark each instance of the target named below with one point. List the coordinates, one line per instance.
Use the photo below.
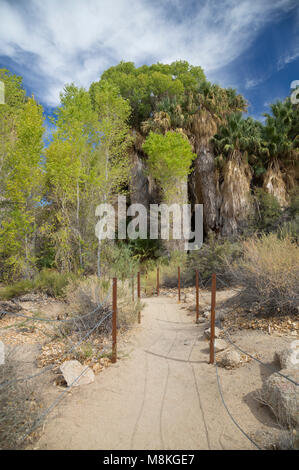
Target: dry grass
(269, 275)
(20, 405)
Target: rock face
(283, 396)
(72, 369)
(289, 357)
(229, 359)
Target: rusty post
(138, 294)
(179, 284)
(158, 286)
(212, 324)
(114, 320)
(197, 296)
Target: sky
(250, 45)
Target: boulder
(289, 357)
(72, 369)
(207, 332)
(220, 345)
(230, 359)
(201, 320)
(282, 396)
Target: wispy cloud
(55, 42)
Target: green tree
(22, 191)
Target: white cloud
(56, 41)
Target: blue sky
(251, 45)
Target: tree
(280, 148)
(169, 159)
(22, 190)
(113, 113)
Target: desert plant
(268, 274)
(19, 406)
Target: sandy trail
(162, 394)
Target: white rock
(2, 353)
(72, 369)
(220, 345)
(230, 358)
(201, 320)
(207, 314)
(289, 357)
(282, 396)
(207, 332)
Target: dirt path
(162, 394)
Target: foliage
(169, 157)
(268, 209)
(23, 189)
(213, 257)
(48, 281)
(268, 275)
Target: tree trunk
(235, 196)
(206, 187)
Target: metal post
(197, 296)
(158, 287)
(179, 284)
(114, 320)
(212, 326)
(138, 294)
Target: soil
(163, 394)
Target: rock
(72, 369)
(289, 357)
(207, 332)
(230, 358)
(2, 353)
(283, 396)
(207, 314)
(189, 298)
(201, 320)
(220, 345)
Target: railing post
(114, 320)
(212, 323)
(138, 294)
(158, 286)
(197, 296)
(179, 284)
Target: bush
(17, 289)
(48, 281)
(213, 257)
(20, 405)
(268, 208)
(269, 275)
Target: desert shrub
(85, 295)
(19, 406)
(16, 289)
(52, 282)
(169, 269)
(268, 210)
(118, 261)
(294, 202)
(213, 257)
(48, 281)
(268, 274)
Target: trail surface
(161, 394)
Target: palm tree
(235, 144)
(281, 149)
